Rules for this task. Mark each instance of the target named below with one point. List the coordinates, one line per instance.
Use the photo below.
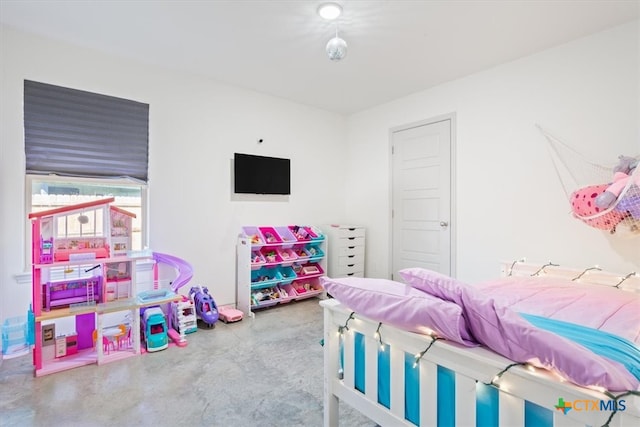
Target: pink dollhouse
(84, 277)
(80, 256)
(83, 232)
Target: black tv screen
(261, 175)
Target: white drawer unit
(346, 250)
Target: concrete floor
(261, 372)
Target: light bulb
(336, 49)
(329, 11)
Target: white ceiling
(277, 47)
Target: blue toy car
(154, 329)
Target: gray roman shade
(71, 132)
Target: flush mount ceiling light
(329, 11)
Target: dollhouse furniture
(278, 264)
(124, 336)
(67, 292)
(401, 378)
(83, 269)
(183, 317)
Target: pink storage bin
(288, 239)
(270, 236)
(288, 256)
(308, 270)
(271, 256)
(307, 288)
(287, 293)
(254, 235)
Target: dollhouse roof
(122, 211)
(79, 206)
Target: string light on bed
(345, 327)
(496, 379)
(595, 267)
(378, 337)
(617, 400)
(622, 279)
(541, 269)
(423, 352)
(513, 264)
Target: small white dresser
(346, 250)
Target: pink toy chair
(124, 337)
(106, 344)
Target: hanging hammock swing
(607, 198)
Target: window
(83, 146)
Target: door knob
(444, 224)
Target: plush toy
(625, 164)
(583, 206)
(624, 172)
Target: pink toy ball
(583, 206)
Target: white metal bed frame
(471, 366)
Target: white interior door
(421, 197)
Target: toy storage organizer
(278, 265)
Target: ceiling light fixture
(329, 11)
(336, 48)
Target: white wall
(195, 127)
(509, 201)
(586, 92)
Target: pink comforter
(492, 309)
(598, 307)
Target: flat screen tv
(261, 175)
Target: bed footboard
(400, 378)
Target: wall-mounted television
(261, 175)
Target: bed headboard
(594, 275)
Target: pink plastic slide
(185, 271)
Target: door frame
(453, 216)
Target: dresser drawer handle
(350, 274)
(351, 238)
(351, 247)
(350, 265)
(350, 256)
